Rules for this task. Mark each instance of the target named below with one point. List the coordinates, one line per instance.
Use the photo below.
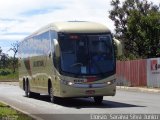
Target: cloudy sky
(19, 18)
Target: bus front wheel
(98, 99)
(53, 99)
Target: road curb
(23, 112)
(152, 90)
(10, 83)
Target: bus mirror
(119, 46)
(56, 48)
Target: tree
(14, 48)
(0, 50)
(137, 24)
(3, 59)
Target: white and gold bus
(68, 59)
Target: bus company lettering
(38, 63)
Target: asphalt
(127, 100)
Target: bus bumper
(69, 91)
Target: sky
(20, 18)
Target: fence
(145, 72)
(132, 73)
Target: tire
(26, 89)
(28, 93)
(98, 99)
(53, 99)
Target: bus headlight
(108, 82)
(66, 82)
(111, 82)
(70, 83)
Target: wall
(153, 72)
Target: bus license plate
(90, 92)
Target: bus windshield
(88, 54)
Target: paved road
(123, 102)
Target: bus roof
(74, 27)
(79, 27)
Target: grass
(8, 75)
(7, 113)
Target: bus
(68, 59)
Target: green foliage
(9, 65)
(14, 48)
(129, 57)
(8, 75)
(4, 72)
(3, 59)
(8, 113)
(137, 24)
(9, 62)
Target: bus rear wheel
(98, 99)
(28, 93)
